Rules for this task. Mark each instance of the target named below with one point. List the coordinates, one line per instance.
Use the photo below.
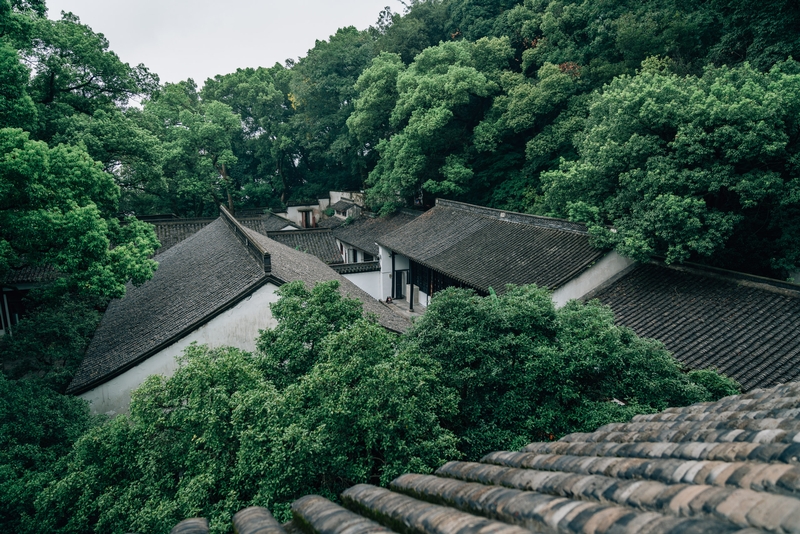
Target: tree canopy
(360, 405)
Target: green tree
(690, 168)
(264, 164)
(38, 428)
(198, 142)
(76, 73)
(305, 318)
(57, 209)
(322, 95)
(442, 97)
(525, 371)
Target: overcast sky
(179, 39)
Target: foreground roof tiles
(486, 248)
(727, 466)
(197, 279)
(747, 327)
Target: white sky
(179, 39)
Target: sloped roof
(317, 242)
(197, 279)
(342, 205)
(364, 232)
(747, 327)
(268, 222)
(289, 265)
(485, 248)
(727, 466)
(29, 274)
(171, 232)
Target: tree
(57, 209)
(442, 97)
(526, 372)
(322, 96)
(75, 73)
(690, 168)
(198, 139)
(305, 318)
(263, 164)
(38, 428)
(218, 436)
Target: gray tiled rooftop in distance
(748, 330)
(317, 242)
(486, 248)
(363, 233)
(648, 479)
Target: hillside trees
(442, 97)
(690, 168)
(57, 209)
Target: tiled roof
(363, 233)
(267, 223)
(727, 466)
(172, 232)
(289, 265)
(318, 242)
(745, 327)
(485, 248)
(198, 278)
(29, 274)
(352, 268)
(343, 205)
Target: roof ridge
(255, 249)
(515, 217)
(772, 285)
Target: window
(369, 257)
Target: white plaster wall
(607, 267)
(237, 327)
(369, 282)
(386, 271)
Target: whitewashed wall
(369, 282)
(607, 267)
(236, 327)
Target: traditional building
(214, 287)
(462, 245)
(722, 467)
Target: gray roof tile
(317, 242)
(487, 248)
(747, 329)
(198, 278)
(584, 483)
(364, 232)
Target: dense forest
(670, 127)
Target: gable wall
(237, 327)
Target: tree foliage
(525, 371)
(690, 167)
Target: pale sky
(179, 39)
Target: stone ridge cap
(773, 285)
(259, 253)
(516, 217)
